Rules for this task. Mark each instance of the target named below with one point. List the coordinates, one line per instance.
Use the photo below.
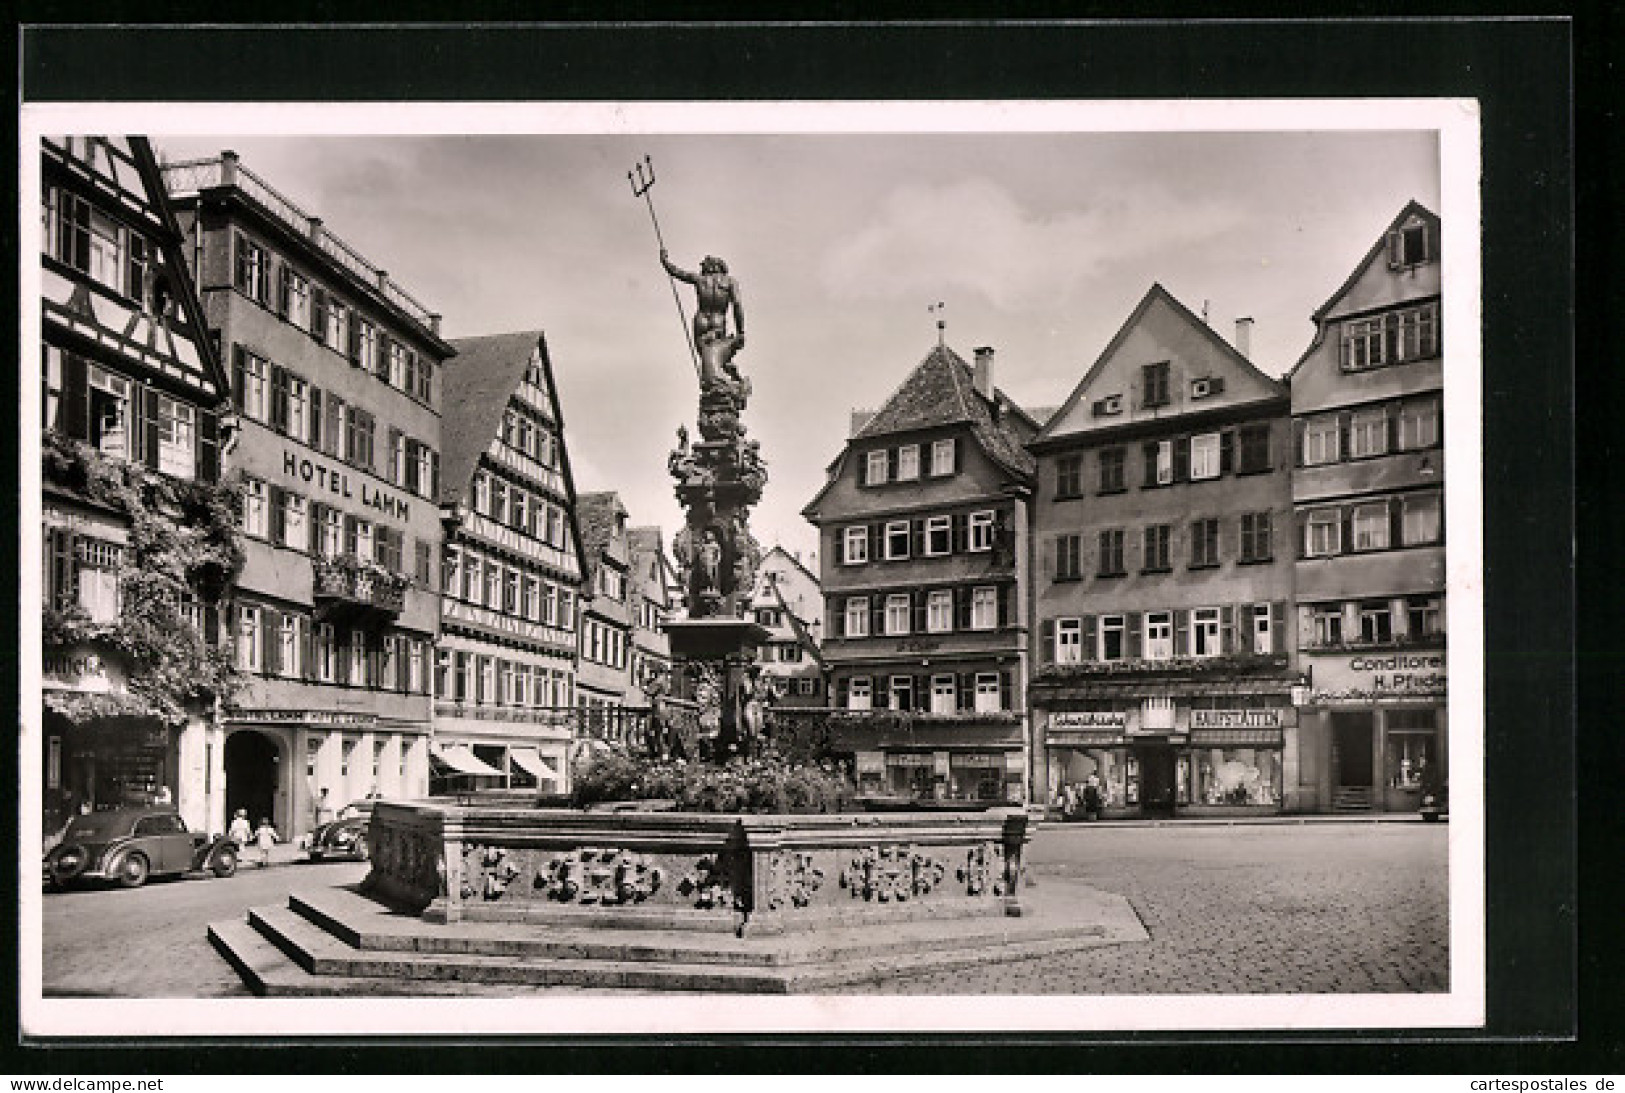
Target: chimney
(983, 375)
(1244, 337)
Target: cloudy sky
(1039, 244)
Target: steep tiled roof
(942, 391)
(478, 382)
(596, 513)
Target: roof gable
(1205, 372)
(479, 381)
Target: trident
(642, 178)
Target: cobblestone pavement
(150, 942)
(1312, 908)
(1316, 908)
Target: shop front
(934, 757)
(1381, 721)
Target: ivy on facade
(184, 547)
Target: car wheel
(225, 862)
(315, 855)
(362, 852)
(133, 870)
(69, 864)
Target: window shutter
(917, 599)
(1089, 637)
(149, 399)
(1297, 442)
(1046, 641)
(891, 464)
(1227, 628)
(1396, 248)
(318, 312)
(1150, 465)
(921, 698)
(1278, 626)
(1303, 533)
(270, 643)
(208, 445)
(1396, 522)
(877, 541)
(957, 532)
(1182, 627)
(351, 539)
(1227, 451)
(965, 690)
(917, 537)
(394, 457)
(1345, 424)
(962, 608)
(1132, 629)
(375, 664)
(959, 458)
(1182, 459)
(239, 369)
(1393, 426)
(840, 546)
(1346, 513)
(877, 614)
(279, 399)
(841, 693)
(279, 526)
(863, 468)
(307, 648)
(1006, 595)
(434, 475)
(241, 270)
(284, 289)
(75, 397)
(59, 576)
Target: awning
(463, 761)
(532, 763)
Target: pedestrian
(324, 809)
(1092, 801)
(241, 831)
(265, 837)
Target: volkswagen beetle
(345, 836)
(131, 844)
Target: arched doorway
(251, 776)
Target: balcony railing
(346, 586)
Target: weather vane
(642, 178)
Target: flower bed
(745, 785)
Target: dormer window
(1411, 244)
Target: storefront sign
(1372, 677)
(82, 670)
(309, 471)
(1236, 719)
(307, 717)
(1102, 739)
(1089, 719)
(871, 763)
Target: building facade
(1368, 496)
(1163, 575)
(336, 376)
(790, 604)
(653, 592)
(511, 573)
(604, 686)
(130, 394)
(921, 527)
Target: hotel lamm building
(505, 675)
(1368, 493)
(921, 530)
(137, 535)
(1163, 574)
(335, 373)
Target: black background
(1549, 1009)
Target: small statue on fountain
(710, 564)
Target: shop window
(1411, 747)
(1204, 543)
(897, 540)
(1419, 424)
(976, 776)
(1321, 441)
(1368, 433)
(1159, 635)
(1205, 632)
(984, 613)
(1238, 776)
(942, 457)
(859, 694)
(875, 467)
(1111, 637)
(1068, 641)
(1376, 622)
(938, 535)
(1110, 560)
(855, 545)
(1158, 547)
(857, 616)
(1425, 614)
(1327, 624)
(1421, 519)
(1252, 449)
(901, 693)
(988, 697)
(939, 615)
(944, 694)
(1204, 456)
(1112, 461)
(1371, 525)
(981, 531)
(1323, 533)
(1256, 543)
(897, 614)
(1104, 771)
(1068, 477)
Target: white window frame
(1368, 433)
(987, 693)
(944, 694)
(1416, 509)
(256, 388)
(295, 521)
(1419, 424)
(1372, 527)
(896, 687)
(857, 616)
(935, 525)
(939, 612)
(288, 647)
(366, 541)
(899, 608)
(859, 693)
(1206, 638)
(1165, 462)
(984, 611)
(249, 653)
(942, 457)
(336, 335)
(877, 467)
(1069, 641)
(1323, 533)
(979, 536)
(256, 509)
(893, 528)
(856, 539)
(96, 564)
(1204, 456)
(298, 298)
(1263, 635)
(908, 463)
(177, 438)
(1321, 443)
(1158, 643)
(1326, 624)
(1111, 625)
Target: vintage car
(345, 836)
(131, 844)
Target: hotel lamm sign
(339, 483)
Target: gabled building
(790, 604)
(131, 392)
(603, 685)
(1368, 494)
(922, 526)
(336, 376)
(1163, 570)
(511, 574)
(654, 591)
